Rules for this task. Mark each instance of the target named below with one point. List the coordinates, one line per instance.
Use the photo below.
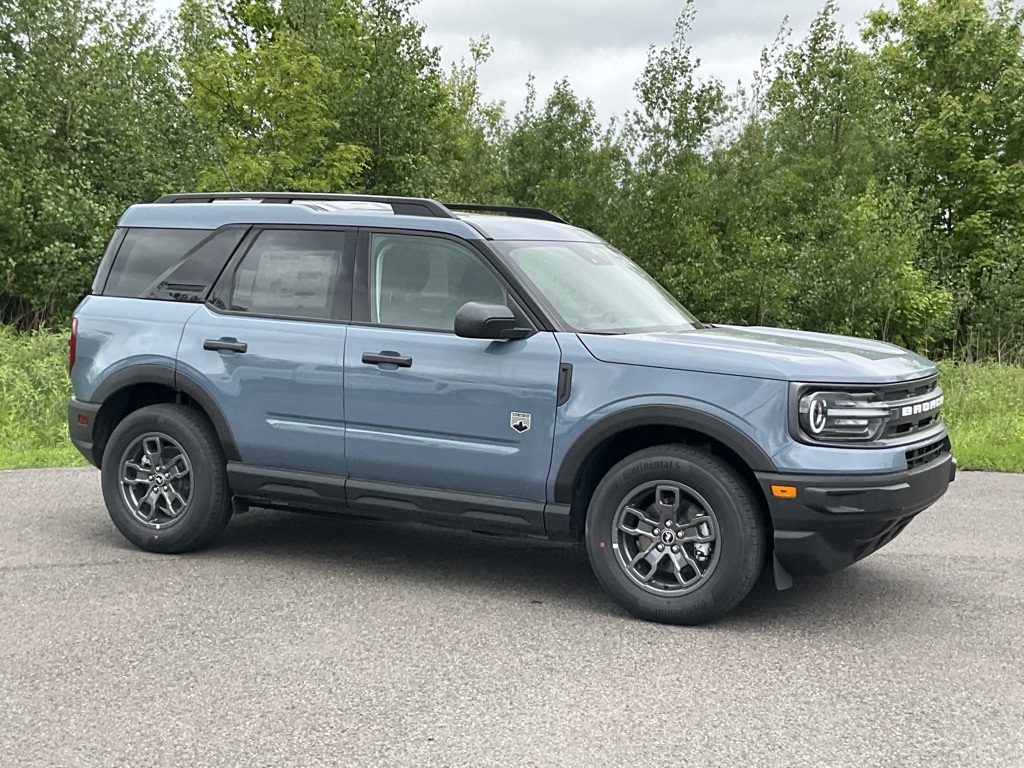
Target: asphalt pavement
(307, 641)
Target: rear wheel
(675, 535)
(164, 479)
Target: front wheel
(675, 535)
(164, 479)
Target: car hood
(769, 353)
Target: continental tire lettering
(648, 466)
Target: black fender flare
(166, 375)
(655, 416)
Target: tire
(164, 479)
(711, 554)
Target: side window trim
(99, 283)
(220, 297)
(361, 285)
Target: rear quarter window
(170, 264)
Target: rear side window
(170, 264)
(294, 273)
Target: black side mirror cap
(478, 320)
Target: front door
(469, 417)
(270, 345)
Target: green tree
(90, 122)
(666, 217)
(398, 103)
(559, 157)
(471, 133)
(261, 97)
(818, 233)
(953, 76)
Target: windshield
(595, 289)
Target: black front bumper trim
(835, 520)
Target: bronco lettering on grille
(925, 407)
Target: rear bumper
(835, 520)
(81, 433)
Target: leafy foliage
(82, 85)
(557, 157)
(952, 72)
(261, 97)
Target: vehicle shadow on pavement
(539, 570)
(425, 555)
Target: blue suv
(488, 368)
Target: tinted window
(422, 282)
(190, 280)
(146, 255)
(293, 273)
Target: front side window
(595, 289)
(293, 273)
(422, 282)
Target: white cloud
(601, 45)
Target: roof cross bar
(509, 210)
(402, 206)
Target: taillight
(72, 343)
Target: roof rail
(402, 206)
(510, 210)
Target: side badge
(520, 422)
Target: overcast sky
(601, 45)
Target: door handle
(387, 358)
(225, 345)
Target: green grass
(984, 412)
(984, 407)
(34, 390)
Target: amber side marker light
(784, 491)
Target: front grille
(905, 396)
(927, 453)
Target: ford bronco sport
(489, 368)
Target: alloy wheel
(156, 480)
(666, 538)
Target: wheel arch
(621, 434)
(129, 390)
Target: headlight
(842, 416)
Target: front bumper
(835, 520)
(81, 420)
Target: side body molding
(652, 416)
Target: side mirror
(477, 320)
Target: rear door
(469, 418)
(269, 345)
